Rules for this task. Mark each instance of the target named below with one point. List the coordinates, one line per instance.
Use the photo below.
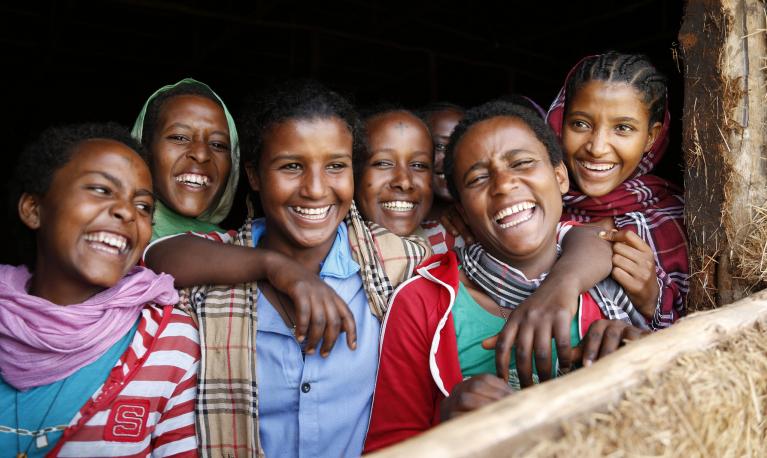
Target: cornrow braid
(633, 69)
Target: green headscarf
(168, 222)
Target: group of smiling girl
(553, 247)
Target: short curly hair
(494, 109)
(152, 114)
(297, 99)
(43, 157)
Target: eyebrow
(298, 157)
(506, 155)
(621, 118)
(187, 126)
(119, 184)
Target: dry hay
(751, 252)
(707, 403)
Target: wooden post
(723, 52)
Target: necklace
(41, 434)
(282, 307)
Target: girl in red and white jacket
(94, 360)
(504, 168)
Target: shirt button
(305, 387)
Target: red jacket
(419, 363)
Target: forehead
(191, 105)
(309, 136)
(495, 136)
(106, 156)
(608, 97)
(393, 120)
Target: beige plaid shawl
(227, 398)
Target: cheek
(224, 165)
(162, 161)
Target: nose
(313, 185)
(402, 178)
(123, 210)
(503, 182)
(598, 144)
(199, 151)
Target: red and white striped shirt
(146, 406)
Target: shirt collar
(339, 262)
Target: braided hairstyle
(635, 70)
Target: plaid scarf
(648, 205)
(509, 287)
(227, 398)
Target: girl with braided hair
(613, 121)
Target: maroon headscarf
(648, 205)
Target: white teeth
(107, 241)
(597, 167)
(193, 179)
(516, 208)
(312, 213)
(398, 205)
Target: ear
(29, 210)
(252, 172)
(652, 135)
(563, 180)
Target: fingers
(504, 342)
(627, 237)
(606, 336)
(562, 328)
(477, 392)
(524, 357)
(542, 346)
(592, 342)
(316, 328)
(348, 324)
(332, 329)
(303, 313)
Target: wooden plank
(513, 425)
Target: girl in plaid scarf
(612, 118)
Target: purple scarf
(41, 342)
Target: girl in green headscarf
(195, 155)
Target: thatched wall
(696, 389)
(723, 56)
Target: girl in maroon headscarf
(613, 120)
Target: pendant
(21, 455)
(41, 441)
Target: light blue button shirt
(317, 406)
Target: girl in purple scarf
(76, 311)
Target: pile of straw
(706, 403)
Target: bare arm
(319, 311)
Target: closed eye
(382, 164)
(99, 189)
(177, 138)
(293, 166)
(220, 146)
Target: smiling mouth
(108, 242)
(514, 215)
(312, 213)
(398, 206)
(597, 166)
(194, 180)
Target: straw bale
(709, 403)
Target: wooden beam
(513, 425)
